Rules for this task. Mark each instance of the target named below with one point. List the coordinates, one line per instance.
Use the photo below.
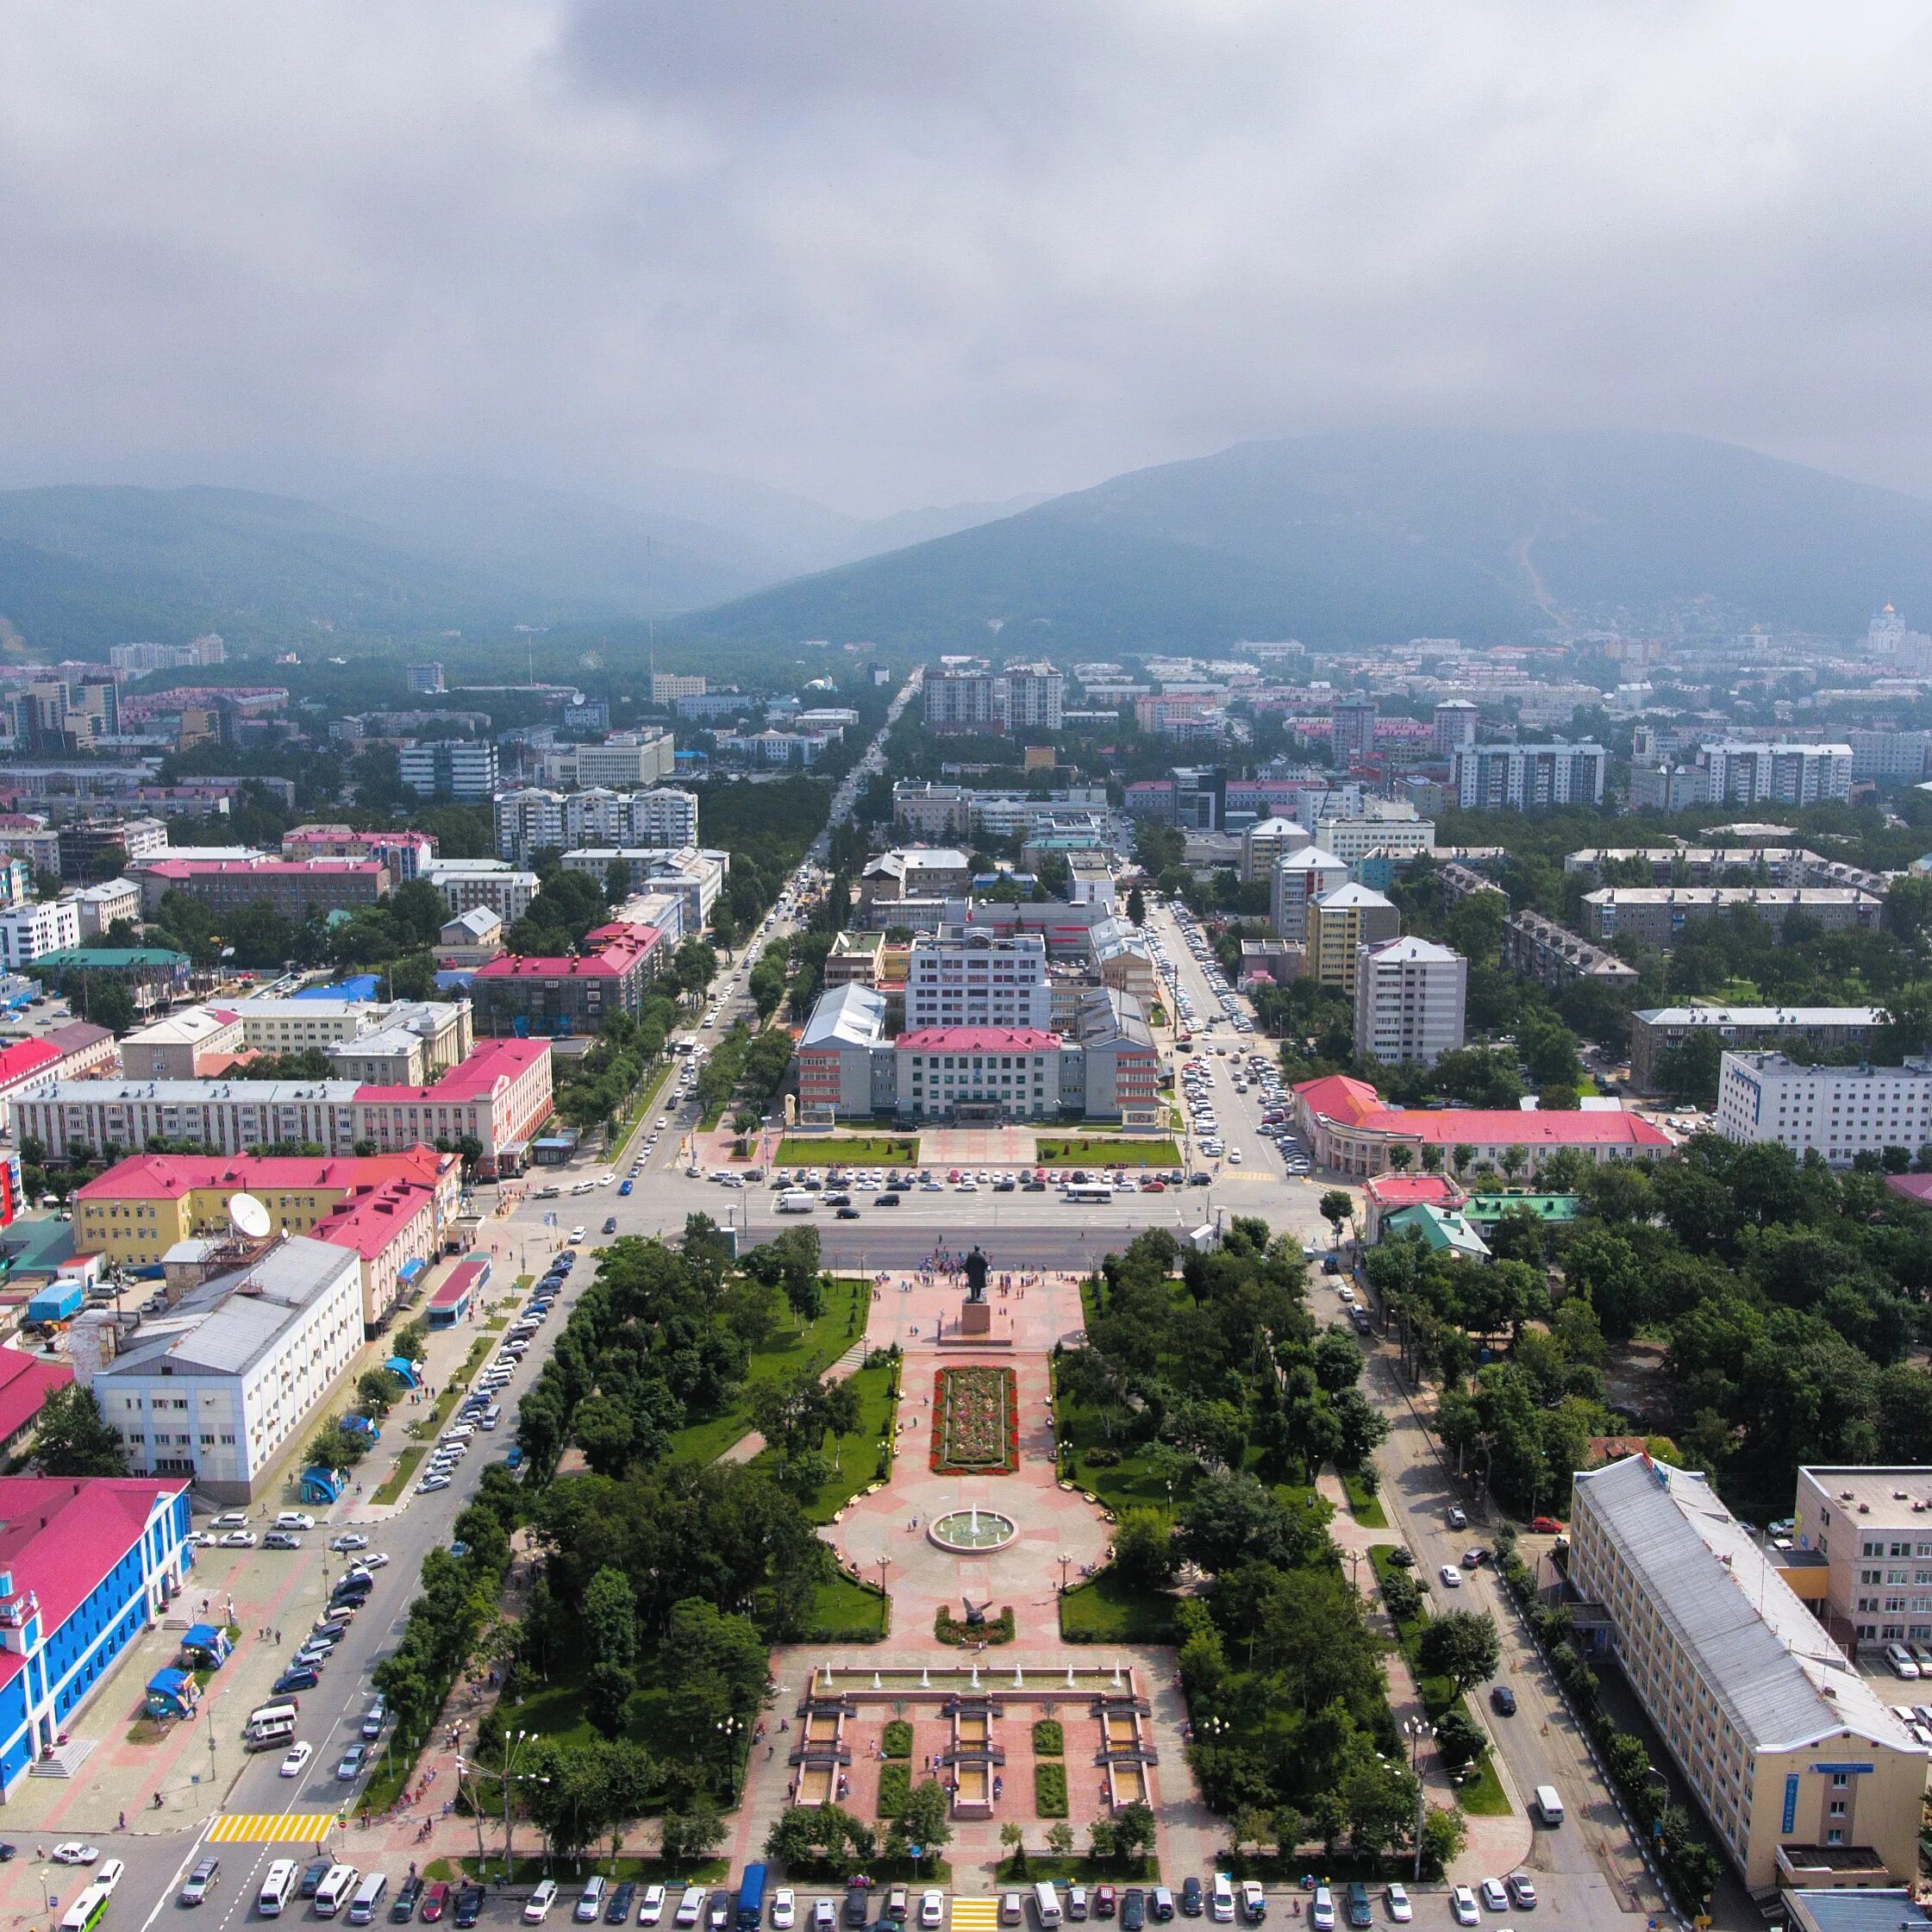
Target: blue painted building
(87, 1565)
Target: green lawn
(399, 1478)
(855, 1456)
(844, 1612)
(791, 1348)
(1105, 1151)
(850, 1150)
(1107, 1609)
(1363, 1503)
(1483, 1795)
(1049, 1790)
(531, 1867)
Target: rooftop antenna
(247, 1217)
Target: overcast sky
(887, 252)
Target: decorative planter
(976, 1421)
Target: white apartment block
(1525, 777)
(1890, 757)
(1842, 1111)
(1452, 726)
(661, 816)
(467, 884)
(527, 819)
(29, 931)
(961, 701)
(241, 1363)
(960, 978)
(457, 768)
(1745, 773)
(1409, 997)
(1793, 1757)
(1300, 879)
(1035, 694)
(1353, 839)
(99, 906)
(230, 1116)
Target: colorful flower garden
(977, 1422)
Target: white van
(795, 1200)
(276, 1887)
(368, 1897)
(1046, 1905)
(1221, 1899)
(333, 1893)
(1548, 1804)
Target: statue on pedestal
(976, 1316)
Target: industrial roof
(847, 1015)
(1761, 1015)
(1768, 1659)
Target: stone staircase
(63, 1760)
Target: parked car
(469, 1906)
(1462, 1904)
(1191, 1897)
(541, 1900)
(435, 1901)
(1521, 1889)
(401, 1908)
(1395, 1899)
(1133, 1910)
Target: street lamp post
(1064, 1560)
(883, 1600)
(1417, 1729)
(728, 1729)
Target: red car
(1546, 1526)
(435, 1897)
(1102, 1901)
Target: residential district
(861, 1297)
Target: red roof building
(26, 1381)
(1390, 1193)
(573, 994)
(1346, 1133)
(498, 1097)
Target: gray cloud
(886, 252)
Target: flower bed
(976, 1421)
(949, 1630)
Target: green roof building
(1484, 1210)
(1442, 1230)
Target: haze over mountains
(1342, 538)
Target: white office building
(963, 977)
(28, 931)
(467, 884)
(1527, 777)
(1746, 773)
(1842, 1111)
(239, 1365)
(461, 769)
(1409, 997)
(631, 758)
(1351, 839)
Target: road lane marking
(270, 1827)
(975, 1914)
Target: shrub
(1049, 1790)
(895, 1787)
(897, 1740)
(1048, 1739)
(949, 1630)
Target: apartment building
(668, 686)
(962, 977)
(528, 819)
(1352, 732)
(1744, 772)
(962, 702)
(1797, 1762)
(1341, 925)
(31, 931)
(696, 874)
(1266, 843)
(1528, 777)
(100, 905)
(463, 770)
(138, 660)
(1863, 1535)
(63, 714)
(88, 846)
(1655, 1030)
(1300, 877)
(242, 1363)
(660, 817)
(1409, 998)
(573, 994)
(498, 1097)
(1658, 914)
(1036, 695)
(407, 855)
(1890, 757)
(1553, 956)
(1451, 726)
(1840, 1111)
(490, 885)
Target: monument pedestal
(976, 1320)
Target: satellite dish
(247, 1217)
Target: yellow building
(1341, 922)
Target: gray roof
(1761, 1015)
(202, 1093)
(1851, 1909)
(848, 1016)
(1767, 1660)
(217, 1329)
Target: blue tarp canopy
(401, 1365)
(203, 1636)
(170, 1691)
(410, 1270)
(323, 1486)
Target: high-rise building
(962, 701)
(138, 660)
(1748, 773)
(1526, 777)
(1034, 696)
(1409, 996)
(963, 977)
(1341, 925)
(28, 932)
(668, 686)
(458, 768)
(1301, 877)
(1455, 725)
(427, 678)
(1267, 841)
(65, 714)
(1352, 727)
(528, 819)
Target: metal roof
(1767, 1660)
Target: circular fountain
(972, 1531)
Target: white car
(74, 1853)
(1462, 1903)
(375, 1559)
(430, 1484)
(545, 1897)
(108, 1874)
(932, 1908)
(352, 1539)
(784, 1911)
(1494, 1895)
(652, 1910)
(238, 1539)
(299, 1754)
(1452, 1577)
(1396, 1898)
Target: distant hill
(1380, 536)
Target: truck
(795, 1200)
(61, 1301)
(750, 1899)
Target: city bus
(1099, 1192)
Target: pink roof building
(498, 1097)
(979, 1039)
(572, 994)
(26, 1381)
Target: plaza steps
(63, 1760)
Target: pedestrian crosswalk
(975, 1914)
(271, 1828)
